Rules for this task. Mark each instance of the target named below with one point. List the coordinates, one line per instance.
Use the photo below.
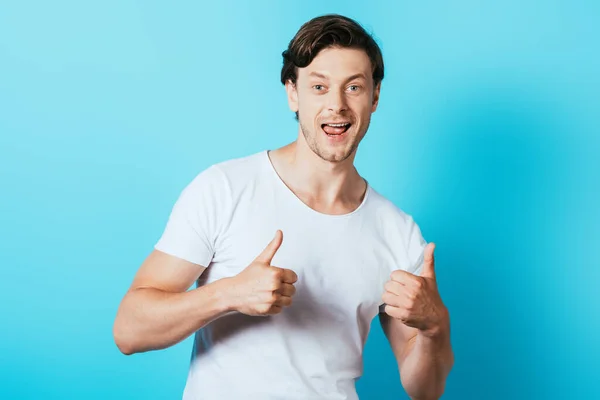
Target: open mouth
(336, 129)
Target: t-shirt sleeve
(415, 247)
(196, 218)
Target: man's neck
(328, 187)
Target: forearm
(424, 370)
(151, 319)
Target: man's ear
(292, 95)
(376, 91)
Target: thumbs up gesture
(415, 300)
(263, 289)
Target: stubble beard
(313, 144)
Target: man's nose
(336, 101)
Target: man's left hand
(415, 300)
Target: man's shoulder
(387, 211)
(385, 205)
(228, 172)
(234, 173)
(241, 163)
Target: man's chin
(335, 156)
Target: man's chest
(341, 264)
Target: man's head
(332, 71)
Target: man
(294, 253)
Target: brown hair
(330, 30)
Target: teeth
(337, 125)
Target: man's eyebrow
(350, 78)
(356, 76)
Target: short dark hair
(331, 30)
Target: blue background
(487, 133)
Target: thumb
(269, 252)
(428, 262)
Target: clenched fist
(263, 289)
(415, 300)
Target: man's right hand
(263, 289)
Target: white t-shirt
(313, 349)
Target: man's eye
(354, 88)
(318, 87)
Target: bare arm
(417, 325)
(157, 311)
(424, 360)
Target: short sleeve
(196, 218)
(415, 248)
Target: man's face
(334, 97)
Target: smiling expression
(334, 97)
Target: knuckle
(393, 311)
(271, 298)
(386, 298)
(263, 308)
(277, 274)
